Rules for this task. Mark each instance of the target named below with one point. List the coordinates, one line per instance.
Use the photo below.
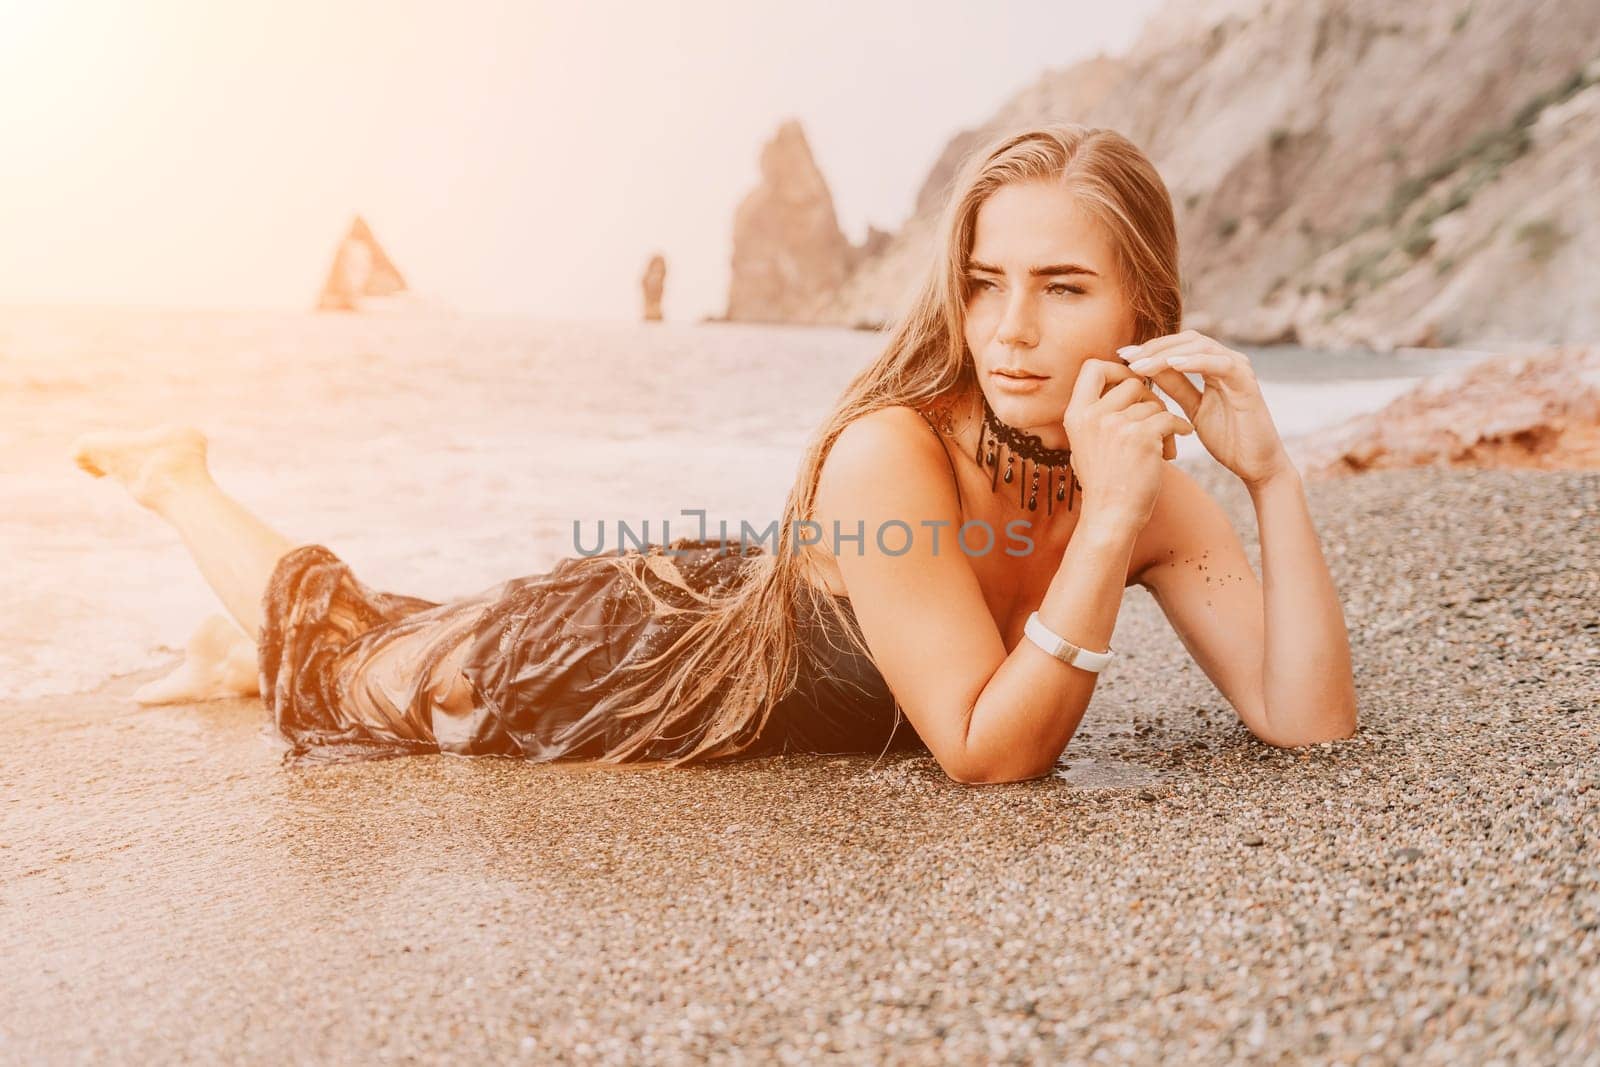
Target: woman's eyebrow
(1034, 272)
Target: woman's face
(1042, 296)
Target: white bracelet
(1065, 650)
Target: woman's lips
(1015, 382)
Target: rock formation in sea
(653, 283)
(1540, 410)
(788, 251)
(1345, 172)
(361, 271)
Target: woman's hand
(1230, 416)
(1118, 441)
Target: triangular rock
(361, 269)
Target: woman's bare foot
(147, 462)
(219, 662)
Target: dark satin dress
(529, 668)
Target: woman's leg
(165, 470)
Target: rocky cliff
(1345, 172)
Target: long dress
(528, 668)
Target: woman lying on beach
(949, 565)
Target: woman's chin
(1037, 414)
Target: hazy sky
(521, 158)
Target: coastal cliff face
(1345, 172)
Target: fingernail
(1142, 365)
(1128, 351)
(1177, 361)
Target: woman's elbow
(965, 774)
(1333, 724)
(998, 775)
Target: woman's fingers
(1207, 364)
(1165, 421)
(1171, 423)
(1139, 403)
(1188, 353)
(1158, 346)
(1157, 374)
(1102, 378)
(1131, 396)
(1124, 393)
(1090, 384)
(1167, 359)
(1179, 388)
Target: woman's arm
(1033, 704)
(1278, 654)
(1307, 678)
(1281, 656)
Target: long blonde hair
(722, 675)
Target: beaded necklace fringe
(1060, 481)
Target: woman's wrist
(1286, 476)
(1109, 524)
(1281, 469)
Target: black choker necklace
(1060, 482)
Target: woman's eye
(976, 284)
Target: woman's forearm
(1034, 702)
(1307, 683)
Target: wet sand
(1428, 890)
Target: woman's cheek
(975, 328)
(1096, 327)
(979, 324)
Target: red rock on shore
(1540, 411)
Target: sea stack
(361, 270)
(654, 282)
(788, 251)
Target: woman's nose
(1018, 327)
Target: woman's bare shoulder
(886, 439)
(891, 424)
(890, 414)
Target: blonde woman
(950, 561)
